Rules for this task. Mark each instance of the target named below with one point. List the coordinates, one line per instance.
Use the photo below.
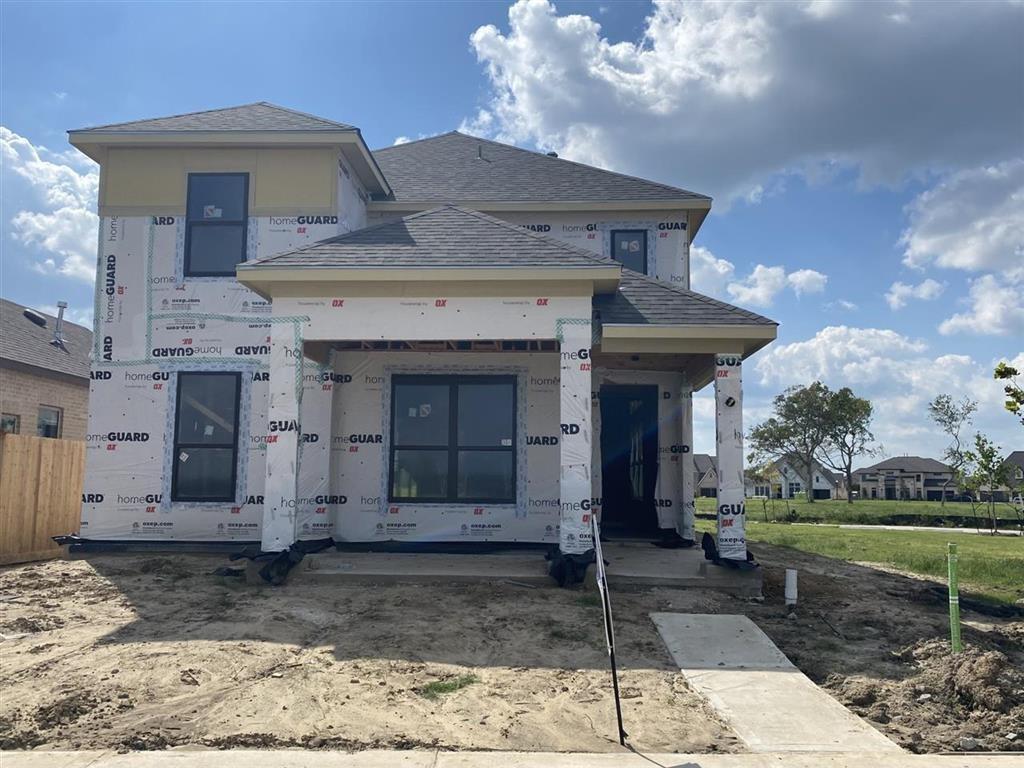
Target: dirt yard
(150, 652)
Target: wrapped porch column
(280, 505)
(575, 491)
(687, 512)
(732, 538)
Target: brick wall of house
(22, 392)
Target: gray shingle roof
(645, 301)
(454, 167)
(448, 236)
(261, 116)
(908, 464)
(22, 341)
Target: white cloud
(65, 185)
(898, 374)
(971, 220)
(713, 276)
(996, 308)
(900, 293)
(760, 287)
(399, 140)
(709, 274)
(806, 281)
(727, 95)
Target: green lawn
(990, 566)
(868, 511)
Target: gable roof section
(907, 464)
(1015, 459)
(448, 236)
(24, 342)
(454, 167)
(260, 116)
(642, 300)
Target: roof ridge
(540, 153)
(342, 126)
(414, 141)
(694, 294)
(45, 314)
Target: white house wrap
(687, 517)
(575, 490)
(732, 537)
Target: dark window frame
(177, 446)
(190, 224)
(60, 419)
(452, 381)
(611, 243)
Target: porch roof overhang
(270, 280)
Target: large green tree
(952, 416)
(847, 434)
(796, 430)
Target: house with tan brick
(44, 386)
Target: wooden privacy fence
(40, 495)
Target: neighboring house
(905, 478)
(44, 388)
(786, 479)
(447, 340)
(1014, 486)
(705, 475)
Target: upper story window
(216, 217)
(629, 248)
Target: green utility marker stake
(954, 601)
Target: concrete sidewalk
(288, 758)
(925, 528)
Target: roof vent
(58, 340)
(35, 317)
(552, 154)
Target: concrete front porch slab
(631, 564)
(770, 704)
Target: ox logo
(542, 302)
(337, 303)
(441, 303)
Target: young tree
(952, 416)
(797, 429)
(1014, 391)
(848, 434)
(985, 472)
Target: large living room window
(206, 437)
(216, 219)
(453, 439)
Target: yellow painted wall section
(281, 181)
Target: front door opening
(629, 459)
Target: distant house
(705, 475)
(786, 479)
(905, 478)
(1014, 486)
(44, 387)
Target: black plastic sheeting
(569, 570)
(707, 543)
(277, 565)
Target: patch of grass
(438, 688)
(871, 512)
(990, 566)
(589, 600)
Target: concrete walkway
(925, 528)
(241, 758)
(770, 704)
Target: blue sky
(869, 197)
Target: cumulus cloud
(900, 293)
(972, 220)
(64, 184)
(899, 374)
(806, 281)
(714, 276)
(729, 95)
(996, 308)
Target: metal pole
(609, 627)
(954, 600)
